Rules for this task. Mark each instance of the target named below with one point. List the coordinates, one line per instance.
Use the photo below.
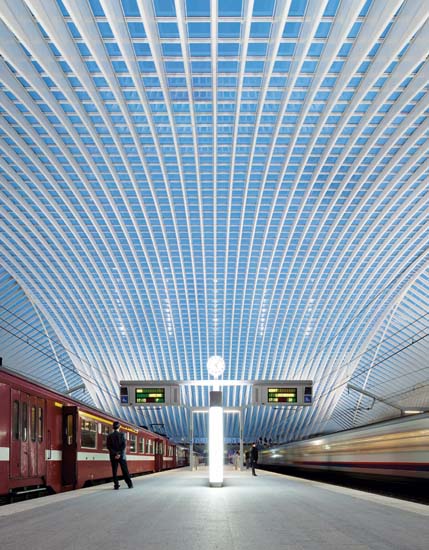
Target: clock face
(215, 365)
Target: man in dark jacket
(116, 444)
(253, 458)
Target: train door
(24, 458)
(19, 440)
(15, 439)
(158, 455)
(27, 447)
(69, 455)
(40, 435)
(33, 455)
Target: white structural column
(216, 367)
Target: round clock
(215, 365)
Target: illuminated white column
(215, 367)
(216, 439)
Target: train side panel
(93, 462)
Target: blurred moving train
(50, 442)
(397, 448)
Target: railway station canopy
(182, 179)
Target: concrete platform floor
(178, 510)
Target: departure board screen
(282, 395)
(150, 395)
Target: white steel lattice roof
(243, 178)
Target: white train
(398, 448)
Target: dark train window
(15, 420)
(69, 429)
(40, 425)
(104, 433)
(88, 433)
(33, 423)
(24, 422)
(133, 443)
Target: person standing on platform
(116, 445)
(236, 460)
(253, 458)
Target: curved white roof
(243, 178)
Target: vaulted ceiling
(242, 178)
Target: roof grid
(242, 178)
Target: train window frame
(142, 445)
(33, 423)
(133, 443)
(16, 423)
(24, 421)
(40, 431)
(149, 446)
(85, 432)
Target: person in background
(236, 460)
(253, 458)
(116, 445)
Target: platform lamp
(215, 367)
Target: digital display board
(282, 395)
(149, 395)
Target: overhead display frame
(148, 394)
(277, 393)
(281, 393)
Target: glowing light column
(216, 366)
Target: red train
(52, 443)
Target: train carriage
(52, 443)
(397, 448)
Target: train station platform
(178, 510)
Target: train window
(141, 447)
(40, 425)
(33, 423)
(88, 433)
(160, 447)
(133, 443)
(24, 422)
(149, 446)
(69, 429)
(104, 433)
(15, 420)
